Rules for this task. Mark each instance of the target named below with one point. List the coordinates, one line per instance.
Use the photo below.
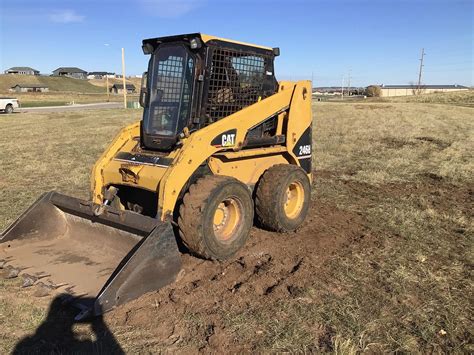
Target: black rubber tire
(196, 217)
(270, 197)
(9, 108)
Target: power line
(448, 64)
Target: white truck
(7, 104)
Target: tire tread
(266, 206)
(191, 212)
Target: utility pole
(107, 86)
(342, 88)
(123, 80)
(349, 83)
(418, 89)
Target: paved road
(76, 107)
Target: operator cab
(194, 80)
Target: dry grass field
(382, 264)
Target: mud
(271, 268)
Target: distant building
(327, 90)
(118, 88)
(22, 71)
(337, 90)
(71, 72)
(99, 75)
(29, 88)
(407, 90)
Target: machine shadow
(56, 335)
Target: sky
(370, 41)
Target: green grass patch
(26, 104)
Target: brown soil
(192, 314)
(271, 267)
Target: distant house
(22, 71)
(71, 72)
(407, 90)
(118, 88)
(29, 88)
(99, 75)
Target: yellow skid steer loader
(220, 140)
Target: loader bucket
(110, 259)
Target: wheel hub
(220, 216)
(294, 199)
(227, 217)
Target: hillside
(58, 84)
(102, 82)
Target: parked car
(7, 104)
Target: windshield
(170, 83)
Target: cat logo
(225, 139)
(228, 140)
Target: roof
(205, 38)
(30, 86)
(100, 73)
(120, 86)
(455, 86)
(21, 69)
(70, 70)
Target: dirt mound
(272, 267)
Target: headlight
(195, 43)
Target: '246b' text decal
(304, 150)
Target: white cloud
(65, 16)
(169, 8)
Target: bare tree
(417, 89)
